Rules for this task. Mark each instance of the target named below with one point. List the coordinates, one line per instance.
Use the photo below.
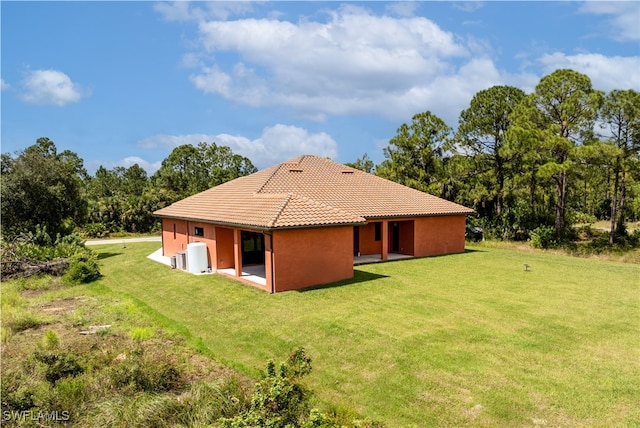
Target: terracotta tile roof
(308, 191)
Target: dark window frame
(378, 231)
(198, 231)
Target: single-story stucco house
(305, 221)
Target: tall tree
(135, 180)
(42, 187)
(414, 156)
(557, 117)
(481, 133)
(190, 169)
(113, 193)
(620, 113)
(363, 164)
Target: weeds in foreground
(134, 375)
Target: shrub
(136, 373)
(70, 392)
(96, 230)
(279, 400)
(543, 237)
(82, 269)
(58, 365)
(14, 393)
(162, 377)
(36, 254)
(50, 340)
(582, 218)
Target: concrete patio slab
(376, 258)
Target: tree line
(44, 187)
(526, 163)
(564, 154)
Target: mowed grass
(469, 339)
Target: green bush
(15, 394)
(578, 217)
(70, 392)
(279, 400)
(50, 341)
(58, 365)
(543, 237)
(37, 254)
(82, 269)
(96, 230)
(137, 373)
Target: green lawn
(468, 339)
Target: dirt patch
(58, 306)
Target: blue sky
(125, 82)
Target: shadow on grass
(413, 258)
(435, 256)
(469, 250)
(358, 277)
(102, 256)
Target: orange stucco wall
(306, 257)
(407, 237)
(173, 243)
(224, 248)
(439, 235)
(368, 243)
(219, 240)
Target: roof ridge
(324, 204)
(293, 198)
(297, 160)
(274, 220)
(268, 179)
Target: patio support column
(237, 252)
(385, 240)
(213, 250)
(268, 258)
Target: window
(174, 231)
(378, 231)
(198, 231)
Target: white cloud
(355, 62)
(4, 85)
(468, 6)
(606, 73)
(50, 87)
(351, 61)
(402, 8)
(127, 162)
(196, 11)
(177, 11)
(276, 144)
(625, 17)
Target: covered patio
(377, 258)
(254, 273)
